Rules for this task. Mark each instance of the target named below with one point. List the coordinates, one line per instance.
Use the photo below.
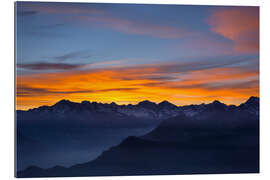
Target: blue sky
(55, 37)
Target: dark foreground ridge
(195, 139)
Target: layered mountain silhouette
(67, 113)
(206, 138)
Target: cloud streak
(73, 55)
(239, 24)
(29, 91)
(57, 8)
(26, 13)
(136, 27)
(225, 46)
(101, 17)
(154, 82)
(49, 66)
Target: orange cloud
(134, 84)
(240, 24)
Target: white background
(7, 90)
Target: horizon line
(137, 103)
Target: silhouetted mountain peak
(252, 100)
(216, 105)
(147, 104)
(113, 104)
(166, 104)
(216, 102)
(251, 105)
(63, 102)
(86, 102)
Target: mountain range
(205, 138)
(96, 114)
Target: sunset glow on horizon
(127, 53)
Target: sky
(126, 53)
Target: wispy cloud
(240, 24)
(136, 27)
(24, 91)
(101, 17)
(73, 55)
(180, 66)
(57, 8)
(44, 34)
(50, 26)
(238, 85)
(45, 67)
(26, 13)
(49, 66)
(155, 82)
(30, 91)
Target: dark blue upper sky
(48, 30)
